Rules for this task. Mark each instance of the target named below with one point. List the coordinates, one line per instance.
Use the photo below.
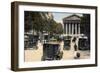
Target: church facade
(72, 25)
(72, 28)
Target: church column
(75, 28)
(78, 28)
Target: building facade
(72, 29)
(72, 25)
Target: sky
(59, 16)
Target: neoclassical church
(72, 25)
(72, 28)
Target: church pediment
(72, 17)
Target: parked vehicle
(83, 44)
(30, 41)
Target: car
(51, 51)
(83, 44)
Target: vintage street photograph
(50, 36)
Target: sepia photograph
(50, 36)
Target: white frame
(23, 64)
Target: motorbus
(51, 51)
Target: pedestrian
(76, 53)
(75, 47)
(74, 39)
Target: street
(36, 55)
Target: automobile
(83, 44)
(30, 41)
(51, 51)
(26, 43)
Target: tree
(59, 28)
(55, 28)
(40, 22)
(35, 21)
(85, 25)
(28, 21)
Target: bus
(51, 51)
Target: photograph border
(15, 34)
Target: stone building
(72, 25)
(72, 28)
